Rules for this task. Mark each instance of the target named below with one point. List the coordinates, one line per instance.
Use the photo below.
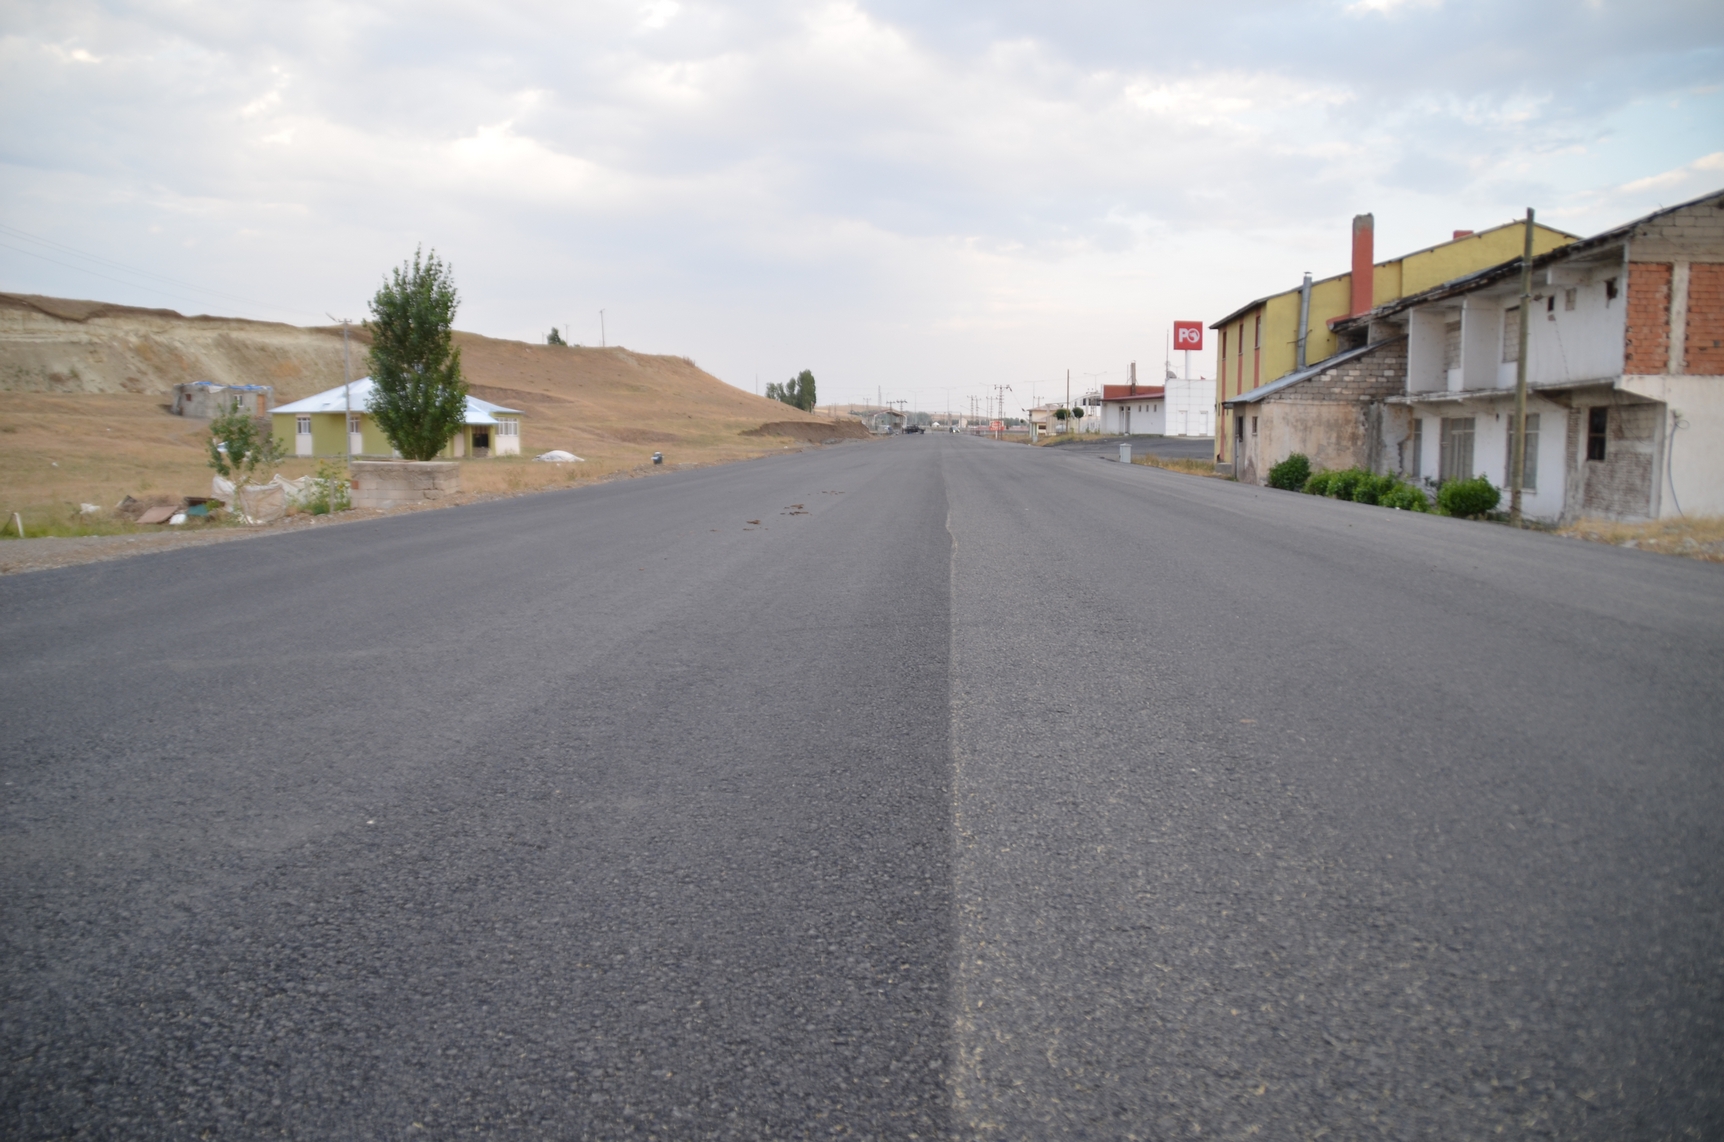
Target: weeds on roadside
(1177, 464)
(331, 490)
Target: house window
(1254, 426)
(1418, 447)
(1238, 427)
(1511, 334)
(1568, 299)
(1597, 428)
(1455, 449)
(1451, 345)
(353, 422)
(302, 425)
(1530, 480)
(508, 428)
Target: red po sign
(1188, 334)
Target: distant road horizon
(921, 788)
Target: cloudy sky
(921, 199)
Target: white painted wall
(1481, 342)
(1190, 407)
(1579, 344)
(1425, 372)
(1693, 477)
(1491, 420)
(1141, 416)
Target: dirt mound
(813, 431)
(59, 345)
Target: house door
(355, 438)
(481, 442)
(302, 436)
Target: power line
(14, 232)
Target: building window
(1418, 468)
(302, 425)
(353, 423)
(1511, 334)
(508, 428)
(1597, 429)
(1455, 449)
(1254, 426)
(1238, 427)
(1530, 481)
(1568, 299)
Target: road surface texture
(972, 792)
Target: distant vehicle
(908, 429)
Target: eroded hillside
(85, 390)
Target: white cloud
(870, 190)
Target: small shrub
(1405, 497)
(1318, 484)
(1468, 498)
(1291, 474)
(1346, 482)
(331, 490)
(1372, 489)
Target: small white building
(1190, 405)
(1133, 410)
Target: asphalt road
(974, 791)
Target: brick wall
(1704, 348)
(1380, 373)
(1647, 346)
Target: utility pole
(346, 383)
(602, 342)
(1517, 459)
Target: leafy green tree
(418, 394)
(241, 443)
(554, 338)
(798, 391)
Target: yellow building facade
(1259, 342)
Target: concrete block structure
(402, 483)
(208, 400)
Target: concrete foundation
(398, 483)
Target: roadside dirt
(818, 432)
(50, 552)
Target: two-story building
(1293, 331)
(1625, 378)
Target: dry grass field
(1699, 538)
(85, 392)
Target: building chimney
(1364, 270)
(1459, 234)
(1134, 378)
